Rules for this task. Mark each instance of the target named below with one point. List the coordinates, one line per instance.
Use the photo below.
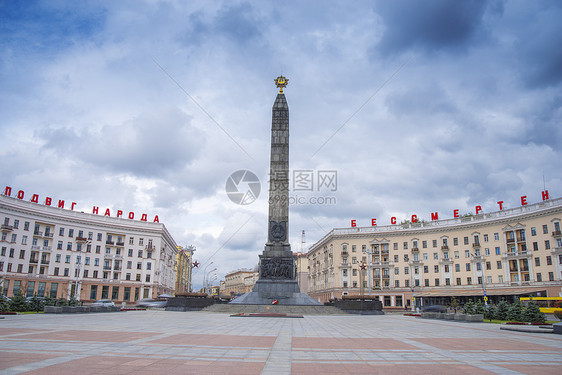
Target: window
(363, 247)
(95, 275)
(485, 238)
(467, 266)
(127, 276)
(551, 276)
(395, 245)
(424, 244)
(417, 282)
(71, 233)
(141, 241)
(69, 246)
(130, 253)
(85, 273)
(139, 265)
(537, 262)
(496, 236)
(499, 264)
(98, 249)
(149, 254)
(407, 283)
(11, 252)
(131, 240)
(425, 269)
(436, 268)
(148, 280)
(547, 244)
(436, 282)
(406, 270)
(130, 265)
(466, 240)
(467, 254)
(445, 255)
(533, 231)
(97, 262)
(455, 241)
(61, 231)
(469, 280)
(405, 245)
(457, 255)
(426, 282)
(435, 256)
(140, 254)
(66, 271)
(397, 283)
(487, 251)
(457, 267)
(488, 265)
(99, 236)
(446, 270)
(22, 254)
(115, 293)
(424, 256)
(406, 258)
(535, 246)
(498, 251)
(549, 261)
(478, 266)
(354, 272)
(545, 229)
(67, 259)
(434, 243)
(396, 270)
(539, 277)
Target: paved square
(161, 342)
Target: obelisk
(277, 273)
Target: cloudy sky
(149, 106)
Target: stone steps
(279, 309)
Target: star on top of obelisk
(281, 82)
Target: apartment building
(511, 252)
(63, 253)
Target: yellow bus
(547, 305)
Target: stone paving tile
(160, 342)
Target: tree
(4, 304)
(468, 308)
(490, 313)
(533, 314)
(514, 312)
(479, 307)
(36, 304)
(454, 304)
(501, 311)
(50, 301)
(18, 303)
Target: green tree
(533, 314)
(454, 303)
(468, 308)
(18, 303)
(479, 307)
(490, 313)
(36, 304)
(501, 311)
(4, 305)
(514, 312)
(49, 301)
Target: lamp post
(205, 274)
(77, 283)
(206, 278)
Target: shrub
(468, 308)
(479, 307)
(490, 313)
(558, 315)
(501, 310)
(35, 304)
(4, 305)
(514, 311)
(18, 303)
(533, 314)
(49, 301)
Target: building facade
(512, 252)
(239, 282)
(183, 266)
(62, 253)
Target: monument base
(286, 292)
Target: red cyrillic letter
(8, 191)
(393, 220)
(501, 205)
(478, 209)
(456, 213)
(353, 224)
(48, 201)
(434, 216)
(20, 194)
(156, 219)
(72, 206)
(61, 204)
(35, 198)
(107, 212)
(373, 222)
(95, 210)
(414, 219)
(131, 215)
(524, 200)
(144, 217)
(119, 213)
(545, 195)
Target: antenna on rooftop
(303, 242)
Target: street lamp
(77, 283)
(205, 282)
(205, 274)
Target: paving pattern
(160, 342)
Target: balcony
(556, 233)
(344, 253)
(476, 245)
(120, 243)
(107, 268)
(34, 260)
(445, 247)
(81, 239)
(108, 242)
(415, 249)
(7, 228)
(45, 261)
(511, 240)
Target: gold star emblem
(281, 82)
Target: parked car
(28, 299)
(149, 302)
(435, 308)
(103, 302)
